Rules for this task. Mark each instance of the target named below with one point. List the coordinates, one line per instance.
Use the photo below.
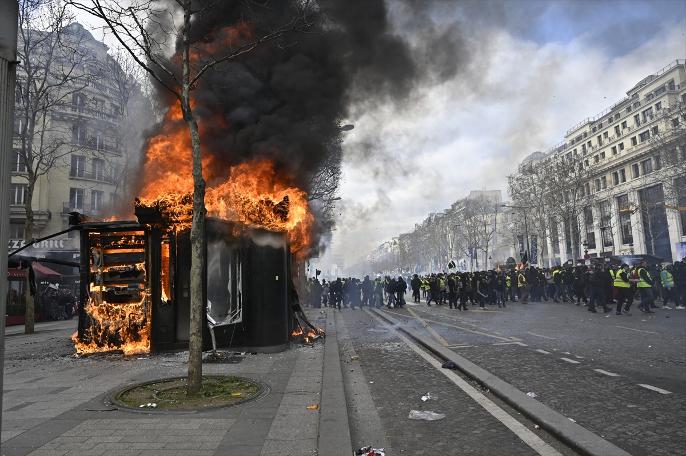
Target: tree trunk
(197, 314)
(30, 313)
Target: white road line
(604, 372)
(541, 335)
(481, 333)
(522, 344)
(654, 388)
(521, 431)
(542, 351)
(459, 346)
(426, 326)
(570, 360)
(637, 330)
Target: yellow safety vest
(619, 282)
(642, 283)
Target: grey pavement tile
(290, 448)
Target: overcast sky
(534, 69)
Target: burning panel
(116, 311)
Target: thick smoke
(286, 99)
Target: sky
(529, 70)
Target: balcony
(70, 206)
(79, 111)
(97, 177)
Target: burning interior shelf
(135, 278)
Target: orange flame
(254, 193)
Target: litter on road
(427, 396)
(449, 365)
(369, 451)
(425, 415)
(531, 394)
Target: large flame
(253, 192)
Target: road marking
(432, 331)
(521, 344)
(541, 335)
(570, 360)
(604, 372)
(521, 431)
(637, 330)
(542, 351)
(459, 346)
(481, 333)
(654, 388)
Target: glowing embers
(116, 314)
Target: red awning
(16, 273)
(44, 271)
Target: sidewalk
(55, 404)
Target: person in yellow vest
(523, 286)
(645, 288)
(622, 288)
(667, 280)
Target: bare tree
(145, 29)
(49, 73)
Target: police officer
(622, 287)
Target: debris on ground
(449, 365)
(149, 404)
(427, 396)
(369, 451)
(354, 358)
(425, 415)
(531, 394)
(536, 426)
(313, 407)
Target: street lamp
(526, 227)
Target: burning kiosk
(135, 278)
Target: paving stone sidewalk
(55, 404)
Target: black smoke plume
(286, 99)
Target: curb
(334, 428)
(572, 434)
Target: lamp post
(526, 227)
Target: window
(624, 125)
(654, 130)
(586, 162)
(76, 196)
(18, 193)
(621, 145)
(98, 169)
(78, 134)
(675, 122)
(660, 90)
(644, 136)
(595, 159)
(78, 102)
(625, 219)
(633, 141)
(18, 163)
(17, 230)
(658, 162)
(628, 109)
(587, 188)
(622, 176)
(635, 171)
(647, 166)
(600, 140)
(605, 135)
(583, 149)
(603, 182)
(602, 155)
(617, 131)
(97, 198)
(637, 120)
(614, 150)
(670, 85)
(605, 209)
(658, 105)
(78, 166)
(648, 115)
(597, 185)
(615, 178)
(590, 232)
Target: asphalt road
(622, 377)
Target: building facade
(633, 194)
(84, 125)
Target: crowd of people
(601, 286)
